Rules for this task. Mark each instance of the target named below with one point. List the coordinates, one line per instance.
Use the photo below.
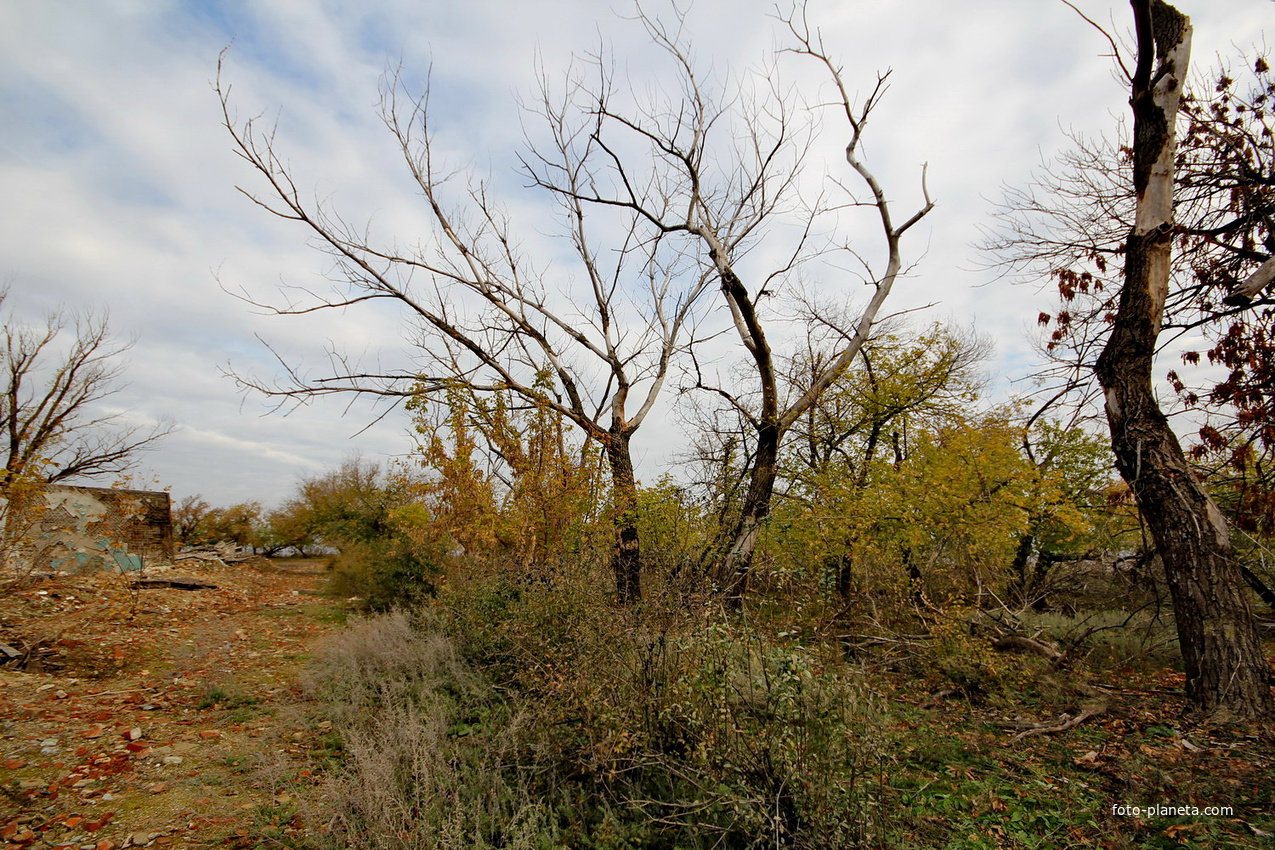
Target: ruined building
(87, 529)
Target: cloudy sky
(120, 183)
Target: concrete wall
(87, 529)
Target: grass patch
(225, 696)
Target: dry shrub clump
(591, 726)
(425, 745)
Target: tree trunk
(1020, 582)
(626, 558)
(1227, 676)
(756, 507)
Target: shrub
(675, 728)
(386, 573)
(425, 746)
(591, 727)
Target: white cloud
(120, 181)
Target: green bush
(663, 728)
(591, 727)
(385, 573)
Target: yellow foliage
(507, 484)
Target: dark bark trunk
(1227, 677)
(916, 581)
(1019, 583)
(844, 565)
(1259, 587)
(761, 488)
(626, 558)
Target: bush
(385, 574)
(591, 727)
(670, 728)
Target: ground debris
(128, 724)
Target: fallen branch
(1019, 643)
(115, 693)
(1064, 723)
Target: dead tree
(721, 196)
(487, 317)
(1227, 675)
(52, 427)
(50, 415)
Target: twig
(114, 693)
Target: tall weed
(424, 743)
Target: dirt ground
(157, 716)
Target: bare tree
(690, 182)
(723, 197)
(1227, 675)
(50, 411)
(594, 343)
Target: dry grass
(424, 745)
